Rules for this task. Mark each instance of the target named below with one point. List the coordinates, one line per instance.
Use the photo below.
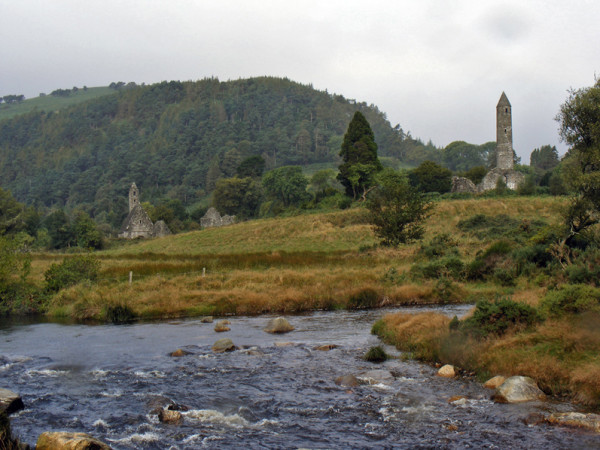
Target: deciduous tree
(397, 210)
(579, 119)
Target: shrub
(571, 299)
(71, 271)
(451, 266)
(364, 299)
(446, 291)
(487, 262)
(504, 276)
(586, 268)
(440, 245)
(485, 227)
(498, 317)
(119, 314)
(454, 323)
(376, 354)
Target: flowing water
(108, 380)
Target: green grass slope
(51, 103)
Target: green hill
(48, 103)
(175, 139)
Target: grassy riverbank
(309, 261)
(561, 354)
(486, 249)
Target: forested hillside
(175, 140)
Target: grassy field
(309, 261)
(51, 103)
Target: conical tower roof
(503, 100)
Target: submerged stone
(347, 381)
(326, 347)
(576, 420)
(223, 345)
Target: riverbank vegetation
(551, 335)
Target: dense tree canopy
(545, 157)
(286, 185)
(461, 156)
(238, 196)
(175, 140)
(431, 177)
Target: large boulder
(223, 345)
(518, 389)
(278, 325)
(577, 420)
(63, 440)
(10, 402)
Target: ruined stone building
(137, 223)
(504, 169)
(212, 218)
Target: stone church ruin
(212, 218)
(504, 170)
(137, 223)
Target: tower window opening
(505, 110)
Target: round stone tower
(134, 196)
(504, 148)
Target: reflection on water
(276, 391)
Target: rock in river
(577, 420)
(223, 345)
(9, 401)
(222, 326)
(347, 380)
(63, 440)
(518, 389)
(170, 417)
(494, 383)
(278, 325)
(447, 371)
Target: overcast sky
(436, 67)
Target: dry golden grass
(308, 261)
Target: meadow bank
(310, 261)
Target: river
(277, 391)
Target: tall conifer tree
(359, 152)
